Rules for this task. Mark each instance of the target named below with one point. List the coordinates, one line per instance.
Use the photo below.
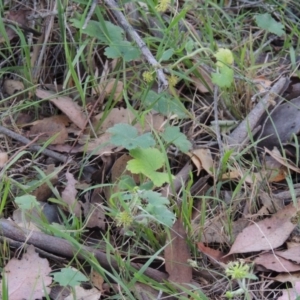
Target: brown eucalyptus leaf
(69, 195)
(292, 254)
(276, 263)
(267, 234)
(177, 255)
(49, 127)
(66, 105)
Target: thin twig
(91, 11)
(60, 157)
(162, 81)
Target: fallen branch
(239, 135)
(62, 247)
(115, 9)
(60, 157)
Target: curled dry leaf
(12, 87)
(69, 195)
(28, 278)
(267, 234)
(3, 159)
(49, 127)
(66, 105)
(202, 159)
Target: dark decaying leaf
(177, 255)
(283, 122)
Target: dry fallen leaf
(214, 255)
(119, 169)
(177, 254)
(292, 254)
(97, 280)
(292, 293)
(276, 263)
(66, 105)
(43, 192)
(214, 232)
(202, 159)
(110, 86)
(17, 16)
(283, 161)
(198, 82)
(267, 234)
(69, 195)
(28, 278)
(287, 277)
(12, 87)
(3, 159)
(49, 127)
(94, 211)
(263, 84)
(123, 115)
(82, 294)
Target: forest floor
(149, 150)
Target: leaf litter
(136, 139)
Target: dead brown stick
(60, 157)
(239, 135)
(117, 12)
(62, 247)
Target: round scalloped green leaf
(224, 57)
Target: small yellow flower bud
(173, 80)
(124, 219)
(162, 5)
(147, 76)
